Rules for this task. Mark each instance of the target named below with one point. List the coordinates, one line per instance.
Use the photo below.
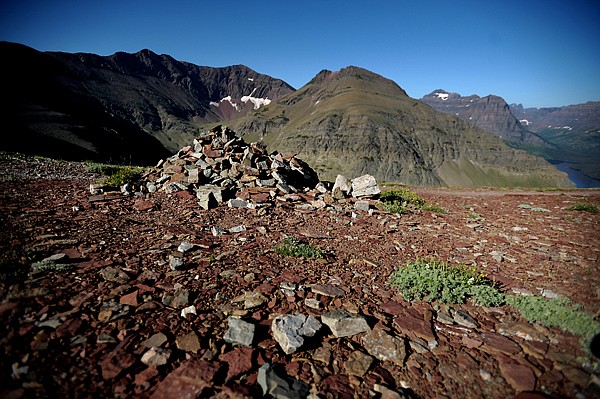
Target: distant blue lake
(580, 179)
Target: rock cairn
(220, 167)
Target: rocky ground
(108, 317)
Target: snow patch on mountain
(442, 96)
(229, 100)
(258, 102)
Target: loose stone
(365, 185)
(155, 340)
(280, 387)
(385, 347)
(188, 342)
(328, 290)
(115, 275)
(289, 331)
(358, 364)
(156, 357)
(464, 319)
(344, 324)
(239, 332)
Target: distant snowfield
(442, 96)
(256, 101)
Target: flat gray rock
(240, 332)
(280, 387)
(464, 319)
(344, 324)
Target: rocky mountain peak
(490, 113)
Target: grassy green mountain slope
(354, 122)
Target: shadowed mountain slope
(124, 107)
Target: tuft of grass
(401, 196)
(533, 208)
(293, 246)
(434, 208)
(403, 200)
(115, 175)
(100, 168)
(475, 216)
(125, 175)
(444, 282)
(584, 206)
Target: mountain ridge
(354, 121)
(83, 102)
(490, 113)
(574, 130)
(139, 107)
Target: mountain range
(354, 121)
(141, 107)
(124, 107)
(569, 134)
(490, 113)
(574, 130)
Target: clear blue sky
(536, 52)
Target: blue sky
(538, 53)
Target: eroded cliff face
(577, 116)
(490, 113)
(574, 131)
(122, 107)
(354, 121)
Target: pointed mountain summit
(490, 113)
(354, 121)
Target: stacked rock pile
(221, 168)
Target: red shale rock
(188, 381)
(520, 377)
(83, 330)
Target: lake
(580, 179)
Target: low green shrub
(584, 206)
(293, 246)
(401, 196)
(533, 208)
(101, 168)
(434, 280)
(441, 281)
(557, 312)
(115, 175)
(433, 208)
